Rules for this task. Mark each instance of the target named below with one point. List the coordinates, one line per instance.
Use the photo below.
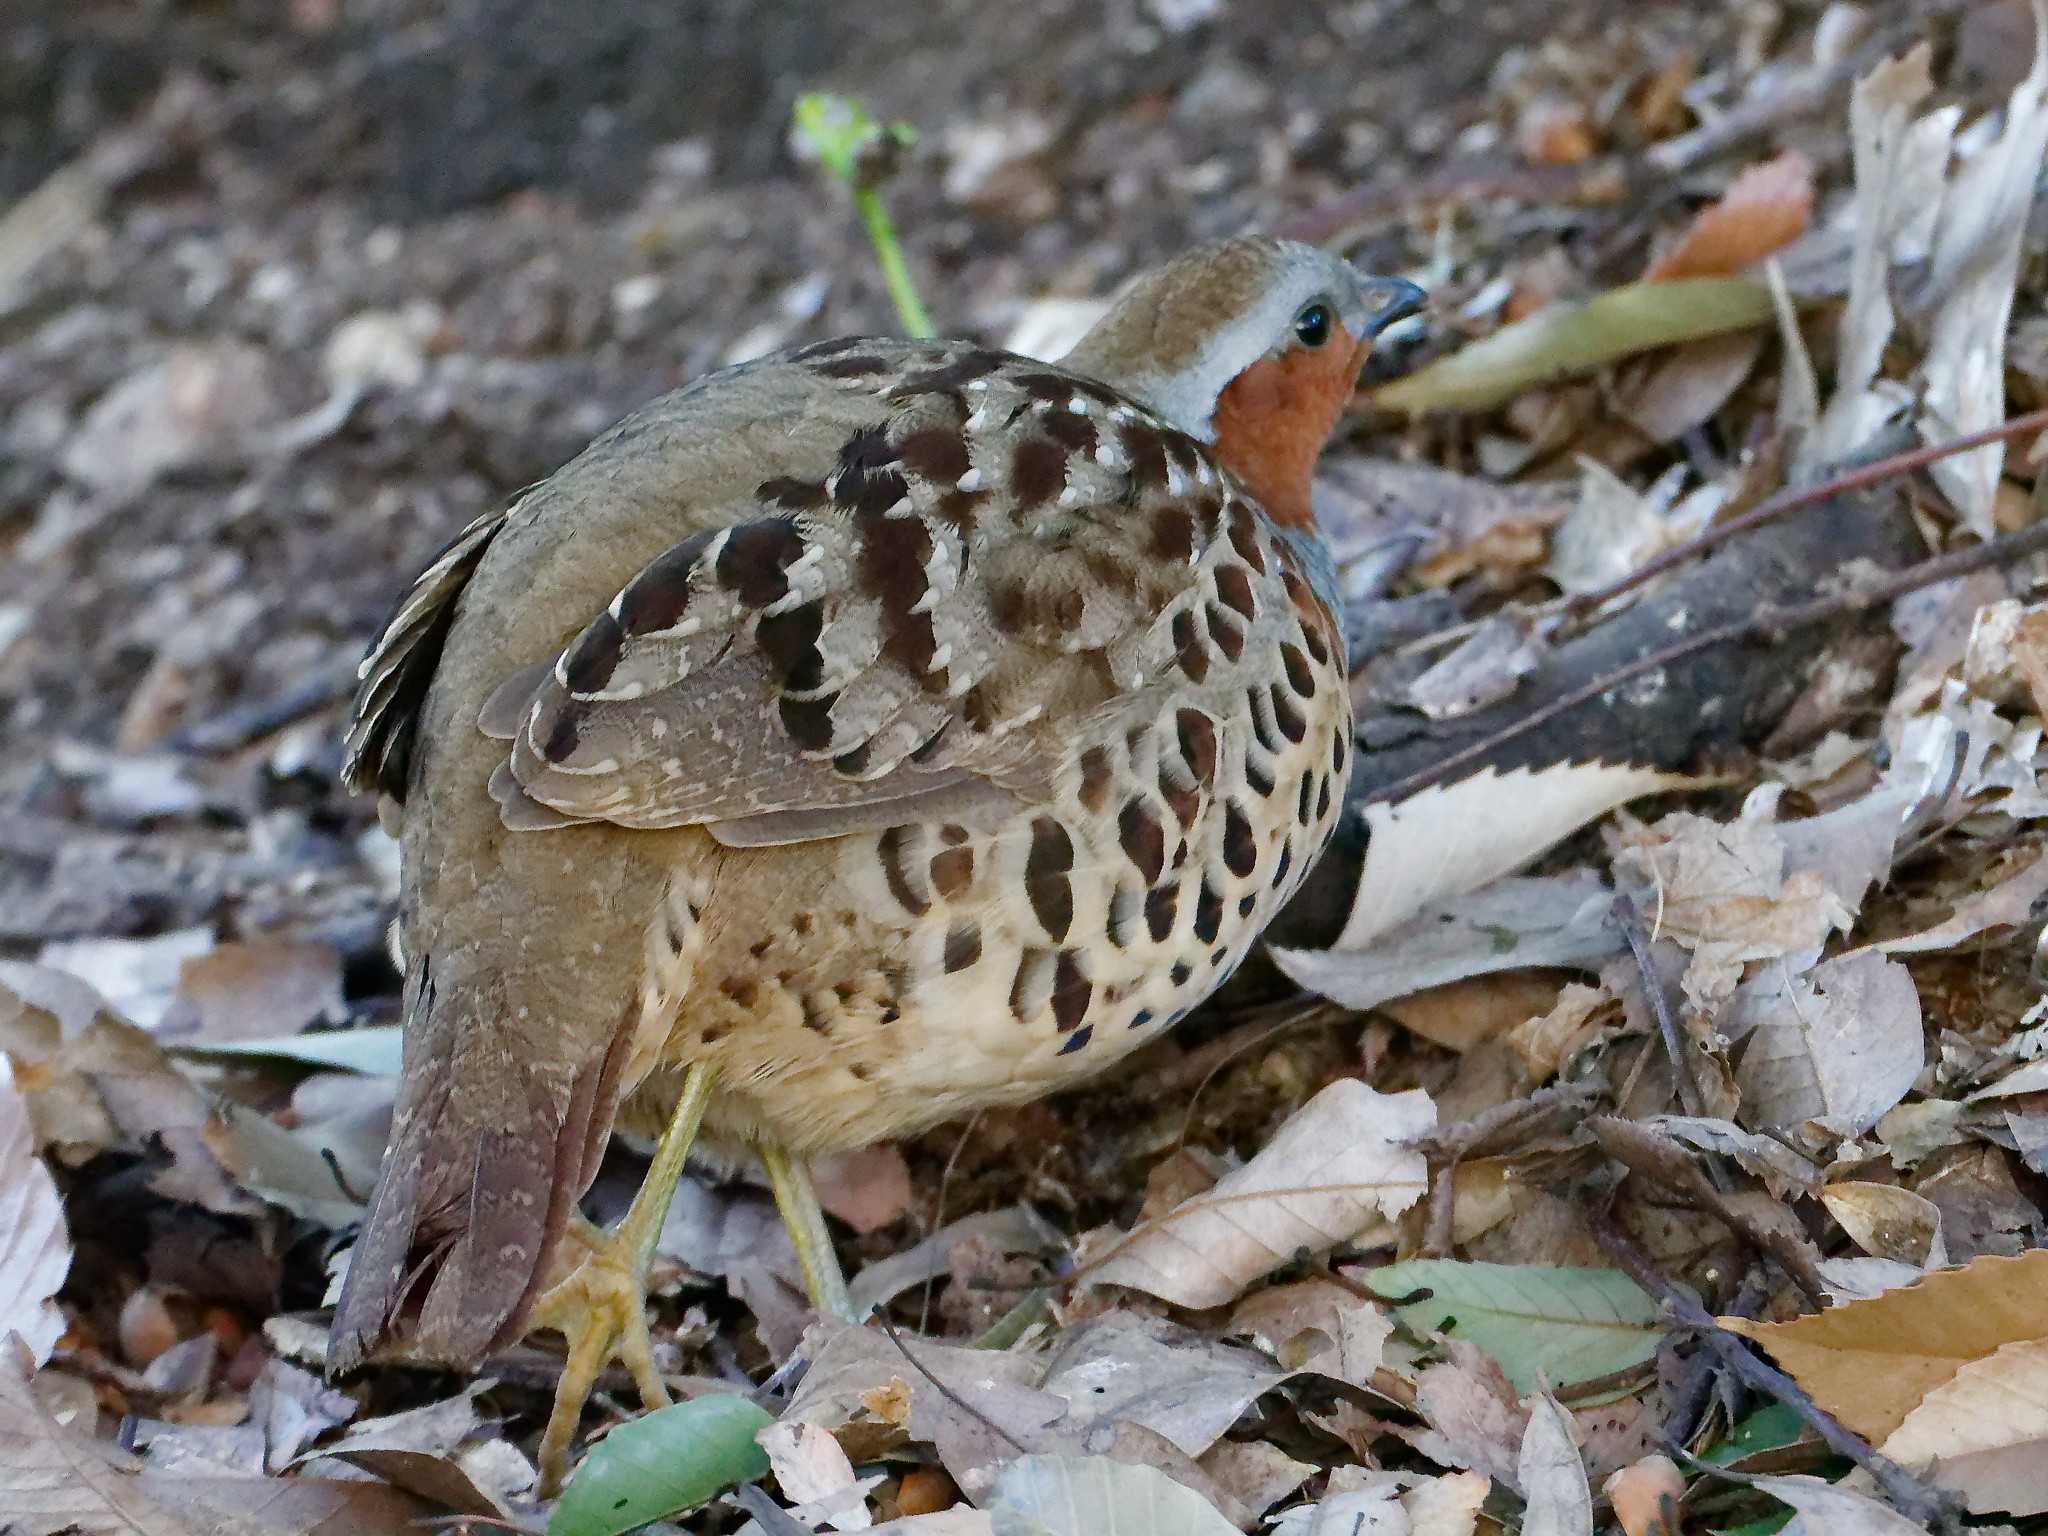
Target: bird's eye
(1312, 325)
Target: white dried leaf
(1564, 919)
(1840, 1044)
(1974, 271)
(1093, 1496)
(1826, 1509)
(1553, 1476)
(35, 1248)
(1129, 1370)
(1342, 1160)
(815, 1475)
(1457, 837)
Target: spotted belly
(938, 967)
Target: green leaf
(669, 1461)
(374, 1052)
(1565, 339)
(1764, 1430)
(1094, 1496)
(1543, 1326)
(838, 128)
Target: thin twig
(1799, 498)
(1913, 1498)
(1770, 622)
(945, 1391)
(1689, 1091)
(1448, 1146)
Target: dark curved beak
(1391, 299)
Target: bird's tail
(490, 1150)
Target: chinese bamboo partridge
(852, 738)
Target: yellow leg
(797, 1198)
(600, 1307)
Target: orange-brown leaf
(1764, 208)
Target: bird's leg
(600, 1306)
(797, 1198)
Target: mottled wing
(394, 676)
(1009, 549)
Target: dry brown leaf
(1870, 1363)
(1764, 208)
(1256, 1473)
(55, 1478)
(250, 991)
(1341, 1160)
(1986, 1431)
(1888, 1222)
(424, 1451)
(867, 1189)
(35, 1248)
(1320, 1326)
(1462, 1014)
(1547, 1043)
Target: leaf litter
(1370, 1292)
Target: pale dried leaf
(54, 1479)
(1973, 270)
(1546, 1043)
(1447, 1505)
(1888, 1222)
(1455, 838)
(1880, 121)
(1013, 1229)
(1782, 1169)
(1839, 1045)
(253, 990)
(1093, 1496)
(2007, 903)
(1511, 924)
(1828, 1510)
(1986, 1431)
(1256, 1473)
(1553, 1477)
(421, 1450)
(1482, 669)
(1320, 1326)
(1667, 396)
(1132, 1370)
(35, 1246)
(1475, 1422)
(1861, 1279)
(1765, 207)
(815, 1474)
(1341, 1160)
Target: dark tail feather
(489, 1154)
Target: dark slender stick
(1912, 1498)
(1766, 623)
(1631, 924)
(1797, 499)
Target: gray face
(1182, 332)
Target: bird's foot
(600, 1308)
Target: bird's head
(1252, 345)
